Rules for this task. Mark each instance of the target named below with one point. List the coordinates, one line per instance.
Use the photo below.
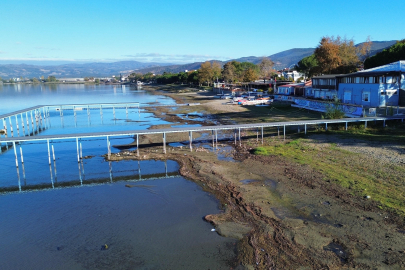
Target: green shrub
(334, 111)
(260, 151)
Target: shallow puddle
(248, 181)
(338, 250)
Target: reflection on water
(67, 228)
(67, 202)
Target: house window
(388, 79)
(366, 97)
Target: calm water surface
(62, 220)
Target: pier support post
(16, 123)
(22, 124)
(278, 131)
(15, 154)
(21, 153)
(32, 124)
(257, 134)
(305, 129)
(164, 142)
(234, 133)
(108, 148)
(5, 126)
(11, 127)
(190, 137)
(365, 124)
(346, 125)
(384, 123)
(137, 145)
(43, 111)
(54, 161)
(77, 149)
(22, 163)
(262, 135)
(326, 126)
(49, 152)
(299, 129)
(213, 138)
(216, 138)
(284, 132)
(28, 124)
(240, 142)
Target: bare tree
(266, 67)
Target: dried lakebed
(285, 215)
(288, 215)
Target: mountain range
(281, 60)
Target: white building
(294, 75)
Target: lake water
(62, 216)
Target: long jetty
(213, 129)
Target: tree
(266, 67)
(348, 55)
(250, 75)
(35, 80)
(205, 73)
(308, 65)
(336, 55)
(51, 79)
(97, 81)
(228, 73)
(392, 54)
(193, 77)
(183, 77)
(216, 70)
(327, 54)
(364, 49)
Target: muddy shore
(286, 215)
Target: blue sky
(180, 31)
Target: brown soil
(285, 215)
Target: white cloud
(173, 58)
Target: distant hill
(73, 70)
(379, 46)
(282, 59)
(171, 69)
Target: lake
(74, 215)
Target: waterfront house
(375, 87)
(288, 89)
(325, 86)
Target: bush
(260, 151)
(334, 111)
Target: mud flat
(287, 208)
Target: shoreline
(284, 214)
